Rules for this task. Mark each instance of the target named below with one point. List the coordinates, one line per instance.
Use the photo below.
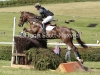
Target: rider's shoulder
(41, 10)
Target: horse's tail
(79, 39)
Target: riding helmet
(37, 5)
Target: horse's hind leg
(77, 55)
(69, 41)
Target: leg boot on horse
(78, 57)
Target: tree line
(12, 3)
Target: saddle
(49, 23)
(53, 25)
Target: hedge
(12, 3)
(43, 59)
(5, 52)
(90, 54)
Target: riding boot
(44, 29)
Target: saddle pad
(49, 28)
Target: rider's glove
(39, 17)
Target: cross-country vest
(44, 12)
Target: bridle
(23, 19)
(32, 20)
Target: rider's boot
(44, 29)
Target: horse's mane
(32, 14)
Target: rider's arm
(41, 13)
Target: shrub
(5, 52)
(90, 54)
(31, 2)
(44, 59)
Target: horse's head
(22, 20)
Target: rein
(35, 21)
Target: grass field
(84, 13)
(95, 70)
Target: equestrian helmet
(37, 5)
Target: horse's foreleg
(28, 30)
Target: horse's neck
(57, 29)
(30, 20)
(40, 22)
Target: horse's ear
(24, 11)
(20, 11)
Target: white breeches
(47, 19)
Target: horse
(62, 32)
(32, 19)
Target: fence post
(14, 24)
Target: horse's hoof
(81, 61)
(24, 29)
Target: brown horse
(63, 33)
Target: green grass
(84, 13)
(95, 70)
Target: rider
(48, 15)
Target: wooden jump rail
(21, 58)
(18, 54)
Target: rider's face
(37, 8)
